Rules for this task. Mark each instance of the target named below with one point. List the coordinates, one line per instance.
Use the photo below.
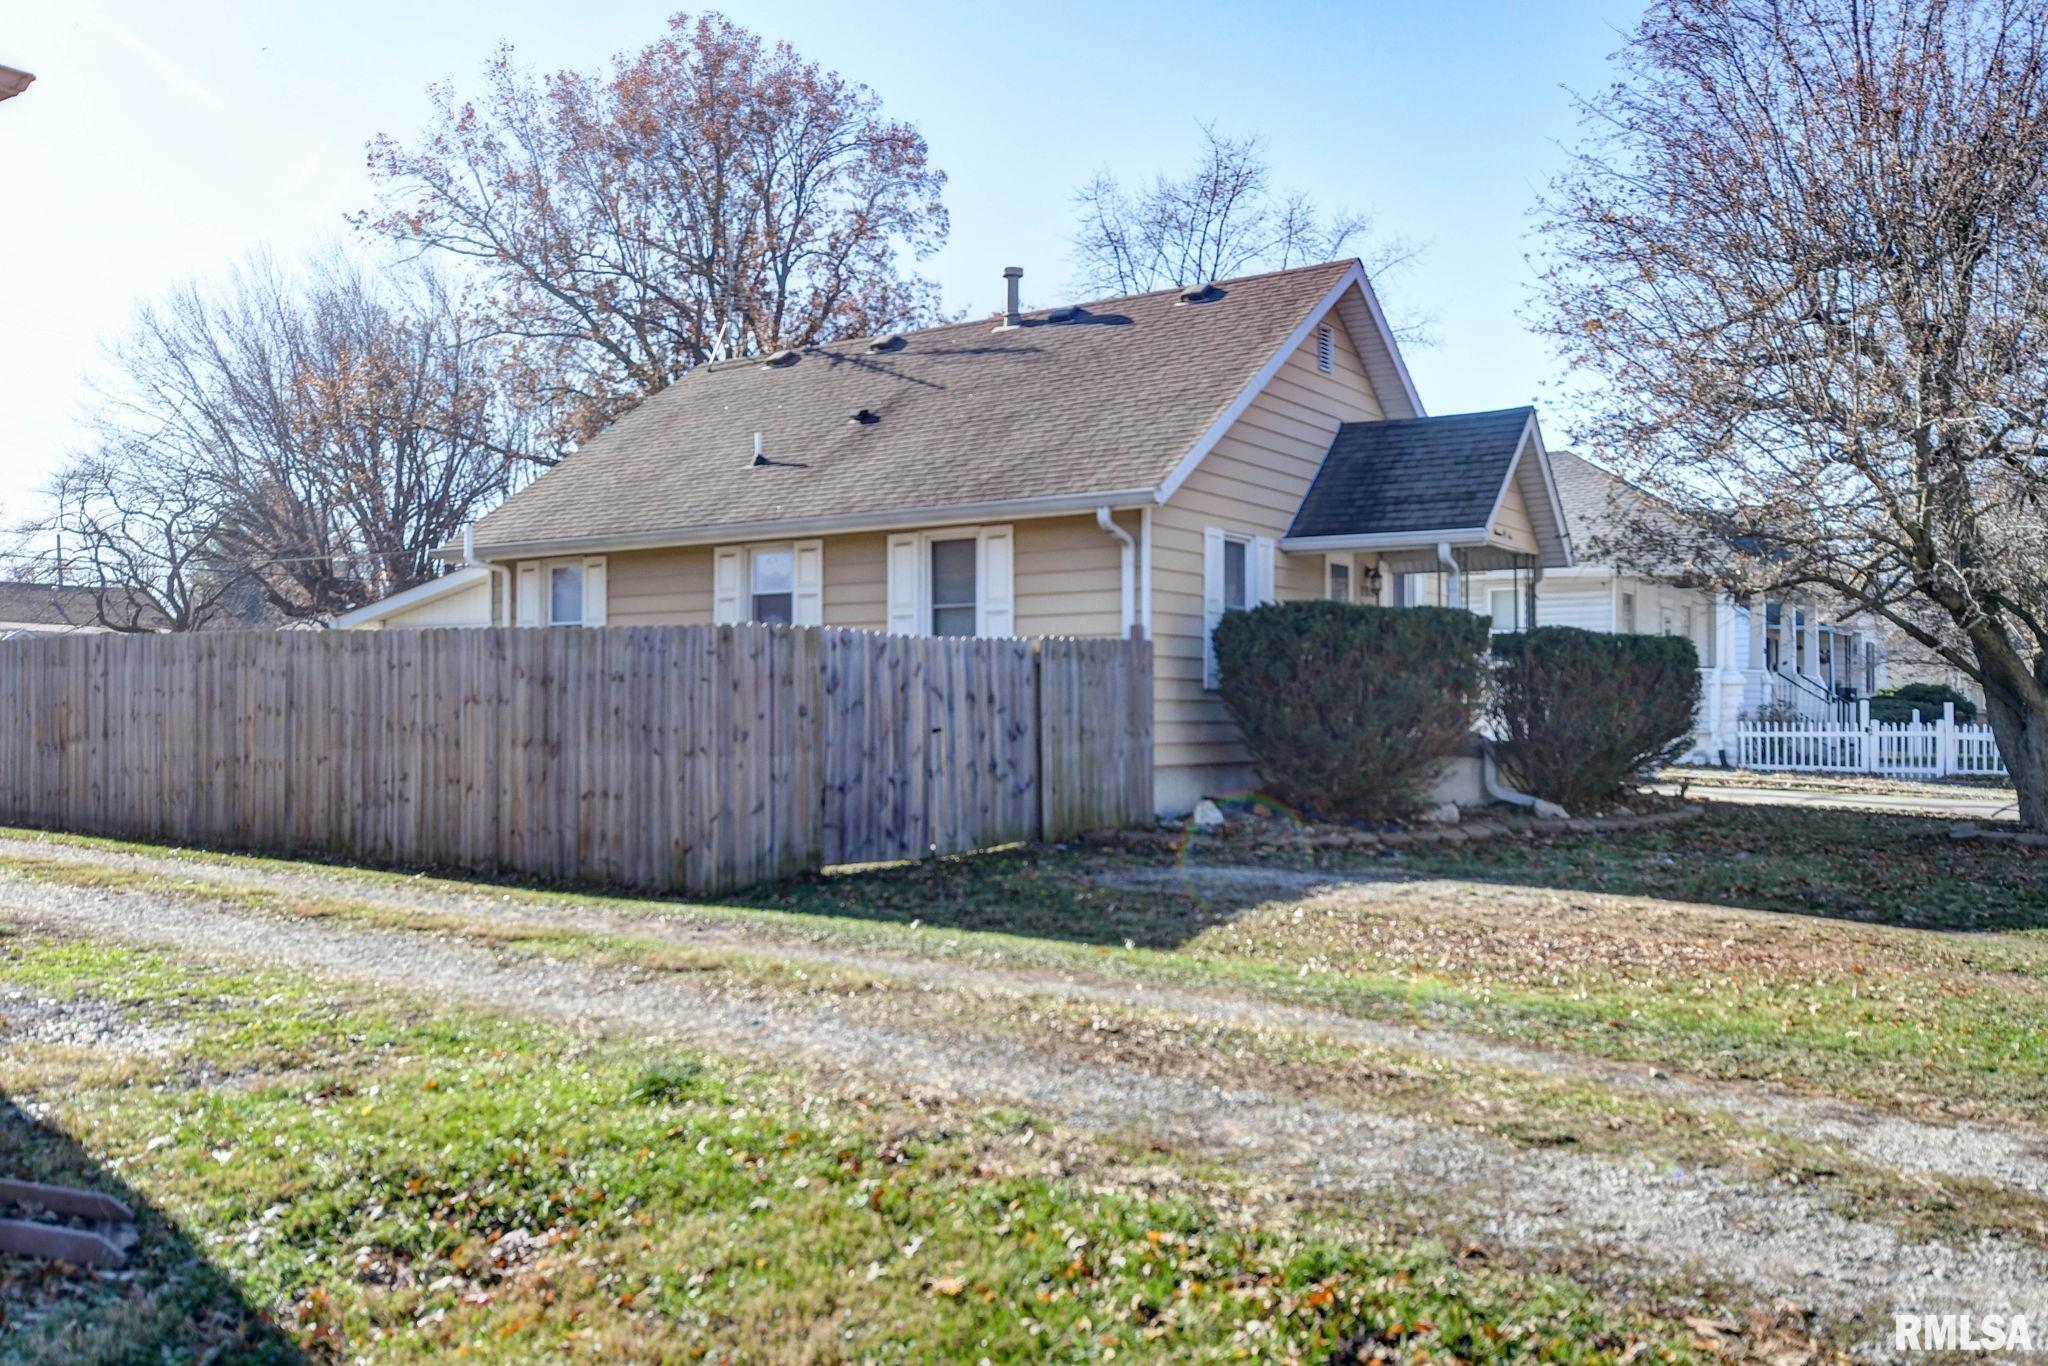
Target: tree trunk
(2018, 709)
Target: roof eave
(1388, 540)
(895, 519)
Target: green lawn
(366, 1178)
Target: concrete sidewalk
(1974, 804)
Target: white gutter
(895, 519)
(1127, 578)
(1388, 540)
(469, 558)
(1454, 595)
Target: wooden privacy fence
(691, 758)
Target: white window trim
(535, 590)
(1349, 563)
(909, 572)
(1258, 586)
(732, 581)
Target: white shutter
(995, 587)
(1212, 601)
(594, 594)
(1262, 589)
(808, 567)
(906, 583)
(726, 565)
(530, 610)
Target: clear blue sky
(164, 140)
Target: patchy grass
(1889, 965)
(370, 1178)
(1875, 783)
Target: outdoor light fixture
(1369, 582)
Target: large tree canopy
(707, 196)
(1803, 256)
(308, 438)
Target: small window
(953, 588)
(1234, 597)
(1628, 614)
(1326, 350)
(1340, 582)
(773, 587)
(565, 595)
(1505, 605)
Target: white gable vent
(1326, 350)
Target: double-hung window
(1340, 581)
(565, 595)
(952, 581)
(953, 585)
(772, 585)
(1237, 574)
(563, 592)
(778, 584)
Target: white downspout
(1145, 571)
(1454, 592)
(469, 558)
(1128, 558)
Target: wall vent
(1326, 350)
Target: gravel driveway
(1657, 1220)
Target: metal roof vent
(888, 341)
(1064, 314)
(1201, 294)
(863, 417)
(778, 360)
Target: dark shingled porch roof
(1413, 474)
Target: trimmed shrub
(1350, 710)
(1579, 713)
(1899, 704)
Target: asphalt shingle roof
(963, 414)
(42, 604)
(1412, 474)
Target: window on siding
(772, 586)
(1628, 614)
(1235, 580)
(1340, 582)
(953, 588)
(565, 595)
(1326, 350)
(1505, 606)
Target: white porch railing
(1906, 749)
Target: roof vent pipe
(759, 459)
(1011, 275)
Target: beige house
(1142, 464)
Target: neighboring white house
(460, 597)
(1798, 663)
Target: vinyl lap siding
(1512, 528)
(1067, 580)
(1252, 482)
(1068, 576)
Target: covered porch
(1404, 512)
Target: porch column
(1788, 637)
(1812, 631)
(1724, 686)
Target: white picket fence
(1941, 748)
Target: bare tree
(1804, 257)
(1222, 218)
(316, 435)
(707, 196)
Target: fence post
(1945, 759)
(1864, 724)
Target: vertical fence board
(676, 758)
